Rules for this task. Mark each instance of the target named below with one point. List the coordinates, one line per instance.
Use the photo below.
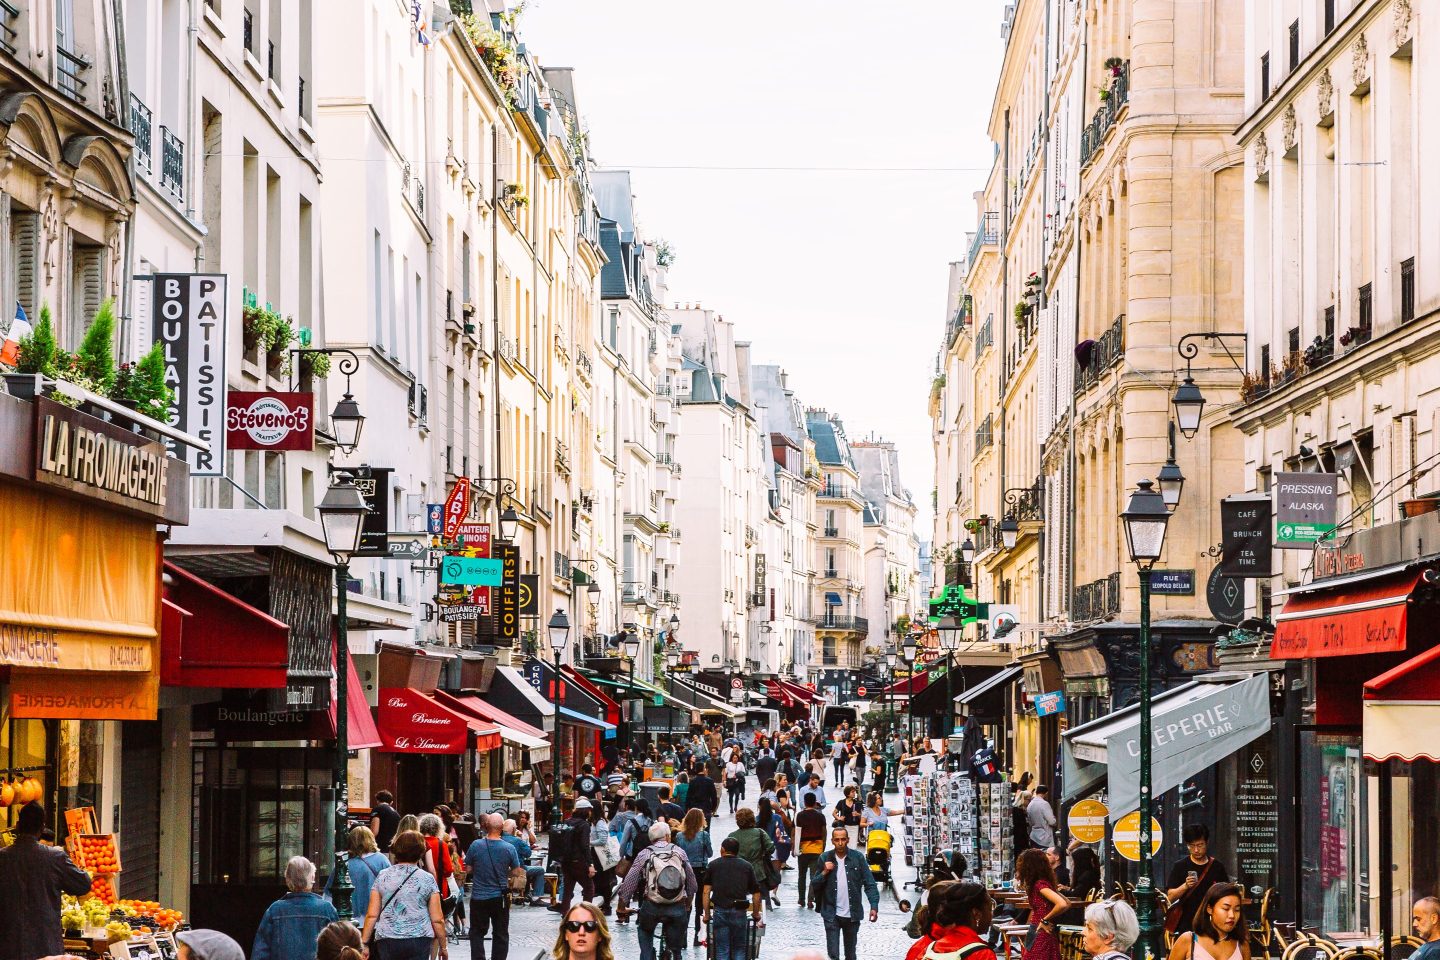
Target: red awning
(360, 732)
(485, 712)
(801, 693)
(209, 638)
(1365, 617)
(411, 722)
(776, 691)
(1401, 711)
(911, 684)
(1416, 679)
(612, 708)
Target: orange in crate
(102, 889)
(98, 853)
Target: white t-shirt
(734, 769)
(842, 889)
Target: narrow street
(788, 929)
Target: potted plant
(267, 329)
(141, 385)
(1021, 310)
(1104, 94)
(93, 365)
(1419, 506)
(35, 362)
(315, 365)
(1115, 65)
(1033, 281)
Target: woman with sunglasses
(1218, 930)
(954, 923)
(584, 935)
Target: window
(87, 286)
(1265, 77)
(1329, 16)
(1366, 314)
(1407, 290)
(23, 256)
(1294, 45)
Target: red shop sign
(410, 722)
(269, 420)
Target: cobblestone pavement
(789, 929)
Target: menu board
(1256, 823)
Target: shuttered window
(139, 825)
(87, 287)
(25, 260)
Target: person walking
(730, 886)
(403, 919)
(491, 862)
(364, 865)
(694, 839)
(847, 814)
(439, 862)
(756, 849)
(766, 764)
(840, 877)
(292, 924)
(876, 816)
(573, 856)
(816, 788)
(735, 781)
(810, 826)
(384, 820)
(1036, 877)
(840, 758)
(1191, 878)
(1219, 931)
(33, 877)
(1425, 918)
(584, 935)
(1040, 817)
(340, 941)
(860, 754)
(1020, 822)
(769, 820)
(702, 794)
(662, 878)
(1110, 930)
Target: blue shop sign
(1048, 704)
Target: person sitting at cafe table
(1425, 918)
(1219, 931)
(1190, 878)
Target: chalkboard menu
(1256, 812)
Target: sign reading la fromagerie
(98, 460)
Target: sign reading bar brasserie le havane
(79, 453)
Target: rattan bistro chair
(1308, 946)
(1403, 946)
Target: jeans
(731, 933)
(407, 948)
(672, 916)
(806, 867)
(834, 928)
(482, 914)
(535, 881)
(736, 795)
(839, 766)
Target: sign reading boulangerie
(189, 319)
(1245, 535)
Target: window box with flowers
(266, 329)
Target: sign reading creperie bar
(87, 456)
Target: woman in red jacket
(958, 915)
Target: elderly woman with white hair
(1110, 930)
(291, 926)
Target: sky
(812, 163)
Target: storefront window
(63, 756)
(257, 808)
(1335, 835)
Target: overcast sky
(836, 274)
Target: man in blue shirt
(490, 861)
(1426, 918)
(534, 873)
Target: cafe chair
(1308, 946)
(1263, 935)
(1358, 953)
(1402, 946)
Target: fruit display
(20, 791)
(97, 853)
(103, 890)
(161, 917)
(86, 914)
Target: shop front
(502, 776)
(80, 618)
(581, 729)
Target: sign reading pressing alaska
(87, 456)
(1304, 508)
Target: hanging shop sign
(1126, 837)
(1087, 821)
(471, 571)
(100, 461)
(457, 505)
(375, 488)
(1304, 508)
(188, 317)
(1049, 704)
(269, 420)
(1225, 597)
(507, 598)
(435, 519)
(529, 594)
(1245, 535)
(410, 722)
(760, 574)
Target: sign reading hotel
(269, 420)
(89, 457)
(189, 319)
(1304, 508)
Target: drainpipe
(1070, 512)
(1044, 302)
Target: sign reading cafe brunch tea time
(189, 319)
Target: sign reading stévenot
(269, 420)
(87, 456)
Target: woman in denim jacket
(292, 924)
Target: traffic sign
(861, 690)
(1127, 836)
(736, 683)
(1087, 821)
(473, 571)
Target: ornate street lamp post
(342, 517)
(1145, 521)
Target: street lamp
(346, 420)
(559, 629)
(1170, 480)
(1145, 521)
(509, 520)
(967, 552)
(630, 645)
(949, 637)
(674, 622)
(1188, 401)
(1009, 532)
(342, 518)
(910, 648)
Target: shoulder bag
(1173, 914)
(386, 905)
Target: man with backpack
(662, 877)
(571, 843)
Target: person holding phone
(1190, 878)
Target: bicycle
(668, 950)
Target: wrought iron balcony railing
(141, 124)
(1099, 598)
(1105, 353)
(172, 164)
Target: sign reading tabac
(269, 420)
(189, 319)
(86, 456)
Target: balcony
(1027, 504)
(1104, 353)
(1116, 97)
(832, 532)
(831, 573)
(141, 124)
(986, 232)
(69, 73)
(985, 336)
(984, 434)
(172, 164)
(8, 34)
(562, 459)
(837, 491)
(1097, 599)
(750, 535)
(585, 365)
(841, 623)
